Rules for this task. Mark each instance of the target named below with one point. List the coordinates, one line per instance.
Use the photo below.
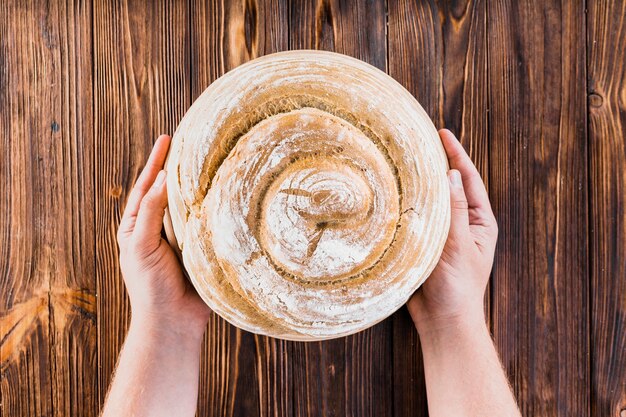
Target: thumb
(459, 218)
(150, 216)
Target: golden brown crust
(307, 195)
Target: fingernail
(159, 179)
(455, 178)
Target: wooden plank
(48, 305)
(225, 34)
(352, 375)
(607, 189)
(241, 373)
(141, 89)
(414, 39)
(538, 166)
(355, 28)
(439, 54)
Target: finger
(475, 191)
(147, 176)
(124, 230)
(150, 216)
(459, 218)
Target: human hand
(454, 292)
(160, 296)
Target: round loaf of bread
(308, 196)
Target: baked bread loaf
(308, 195)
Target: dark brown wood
(534, 90)
(438, 52)
(48, 307)
(606, 56)
(415, 50)
(538, 173)
(141, 89)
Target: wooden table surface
(536, 90)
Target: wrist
(468, 339)
(167, 328)
(460, 324)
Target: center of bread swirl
(310, 210)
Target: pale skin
(158, 369)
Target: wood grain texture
(47, 314)
(141, 89)
(415, 60)
(438, 52)
(607, 197)
(538, 171)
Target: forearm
(464, 376)
(157, 373)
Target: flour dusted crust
(308, 195)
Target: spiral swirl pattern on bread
(308, 195)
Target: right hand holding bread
(455, 290)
